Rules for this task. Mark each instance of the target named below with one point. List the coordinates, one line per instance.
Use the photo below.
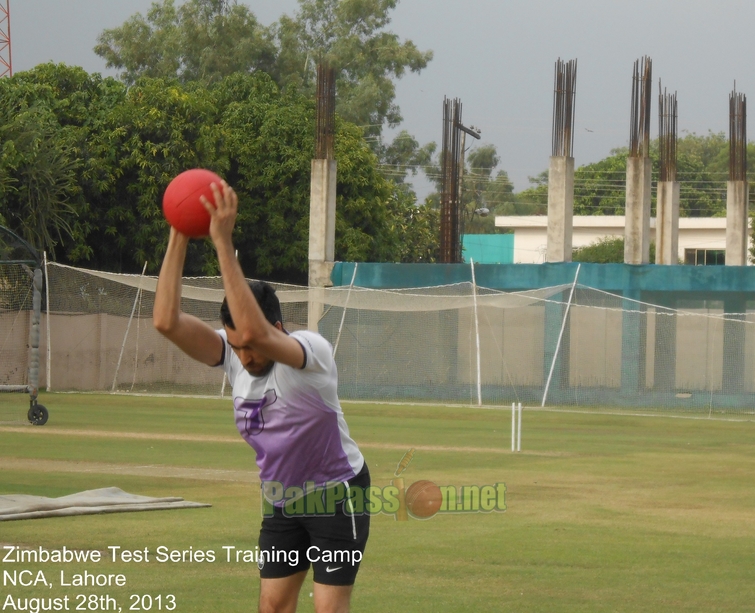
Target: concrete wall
(86, 350)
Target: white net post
(48, 363)
(519, 429)
(345, 306)
(477, 334)
(513, 426)
(560, 336)
(125, 336)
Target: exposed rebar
(667, 134)
(450, 209)
(639, 131)
(326, 112)
(564, 89)
(737, 136)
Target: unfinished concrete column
(639, 169)
(667, 216)
(637, 217)
(561, 170)
(560, 209)
(322, 197)
(737, 188)
(667, 223)
(736, 223)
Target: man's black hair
(266, 298)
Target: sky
(498, 57)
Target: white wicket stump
(516, 427)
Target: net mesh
(454, 344)
(16, 293)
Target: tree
(154, 131)
(600, 188)
(484, 191)
(702, 171)
(349, 35)
(480, 189)
(606, 250)
(207, 40)
(202, 40)
(43, 114)
(115, 149)
(39, 179)
(404, 156)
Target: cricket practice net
(566, 345)
(16, 308)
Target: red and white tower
(6, 65)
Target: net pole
(519, 428)
(513, 426)
(34, 335)
(128, 327)
(560, 336)
(49, 349)
(139, 294)
(345, 306)
(477, 334)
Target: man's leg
(281, 595)
(332, 598)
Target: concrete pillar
(736, 222)
(667, 223)
(322, 233)
(560, 208)
(637, 229)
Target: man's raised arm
(255, 331)
(193, 336)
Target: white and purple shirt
(292, 417)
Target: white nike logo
(330, 570)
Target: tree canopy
(702, 171)
(606, 250)
(482, 188)
(206, 40)
(85, 161)
(201, 40)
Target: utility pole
(452, 168)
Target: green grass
(604, 512)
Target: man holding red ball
(286, 408)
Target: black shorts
(332, 544)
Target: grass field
(604, 512)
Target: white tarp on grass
(90, 502)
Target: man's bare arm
(193, 336)
(248, 319)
